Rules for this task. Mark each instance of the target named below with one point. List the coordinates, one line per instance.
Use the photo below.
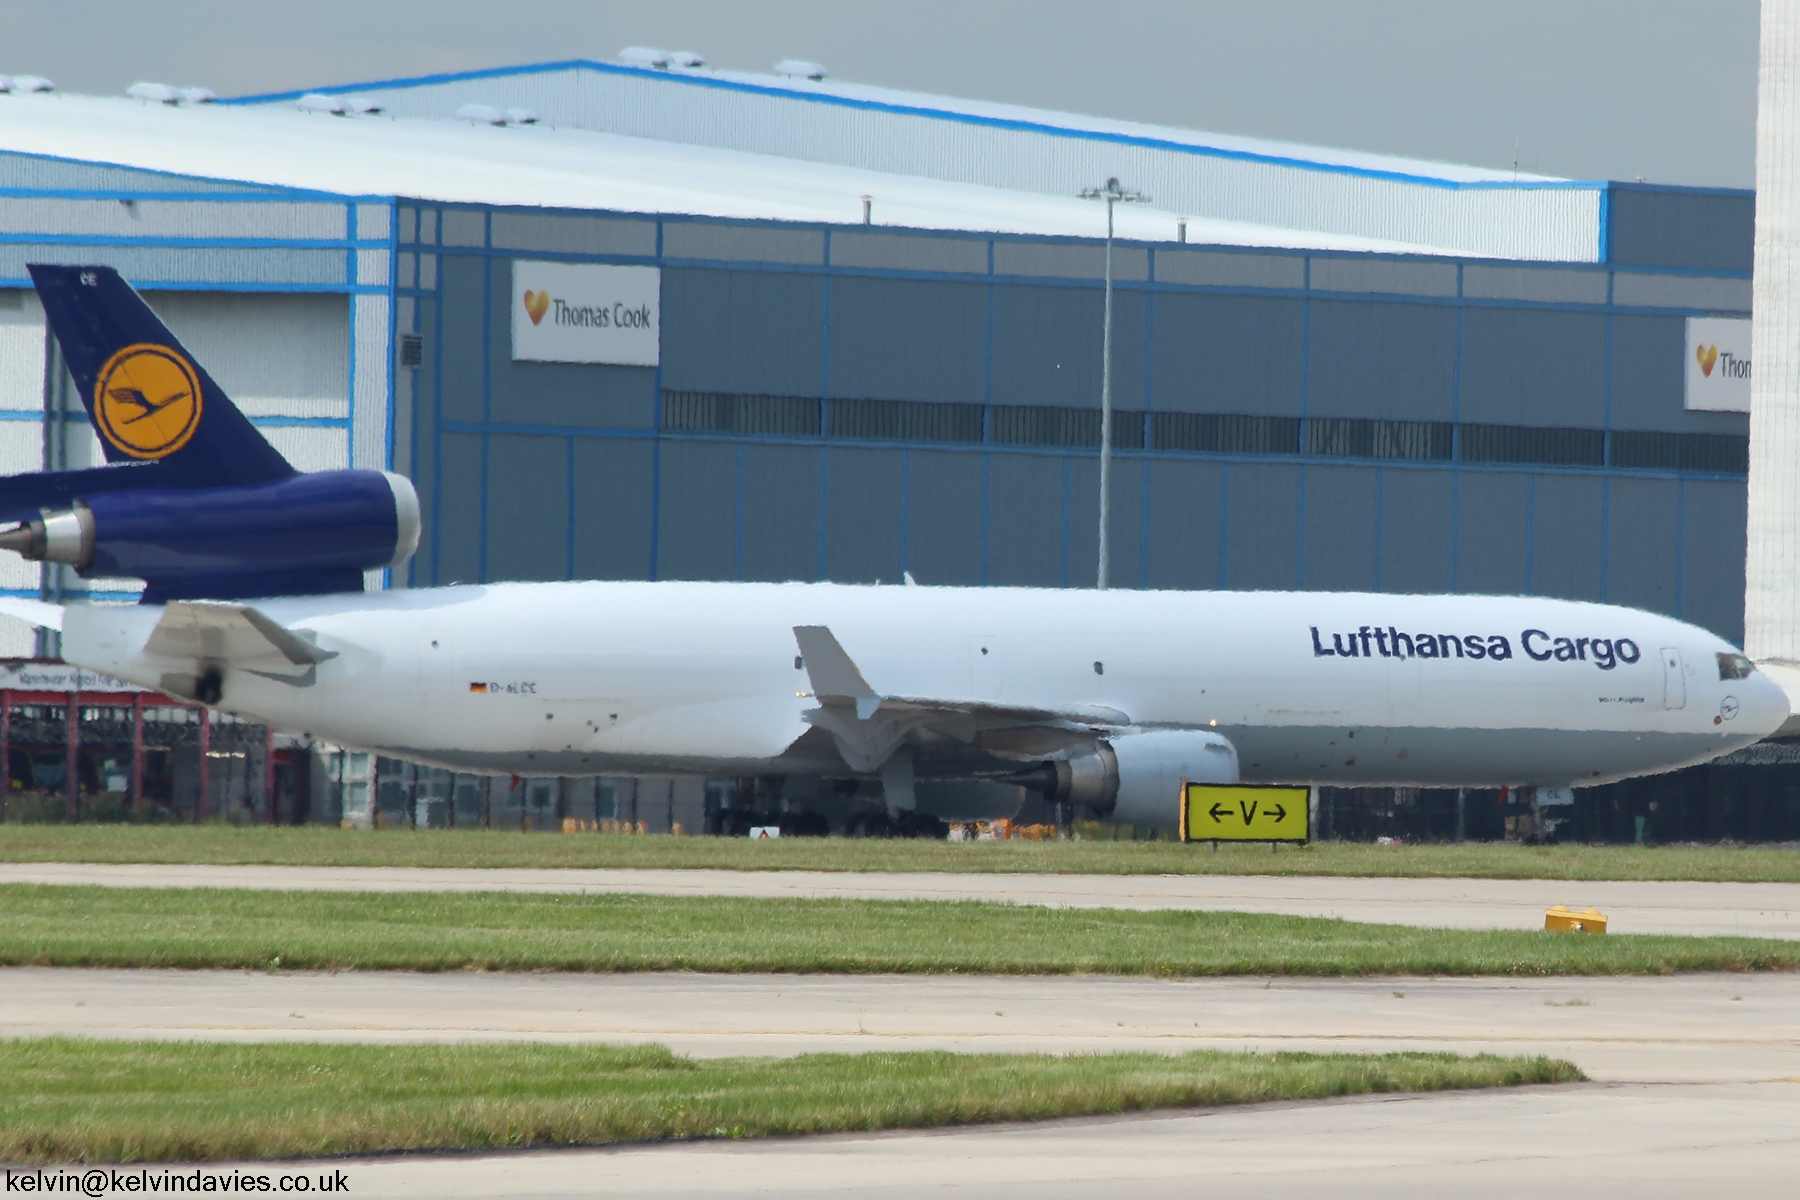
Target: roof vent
(522, 116)
(154, 93)
(30, 83)
(199, 95)
(320, 102)
(481, 114)
(800, 69)
(687, 60)
(644, 56)
(364, 105)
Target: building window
(904, 421)
(1343, 437)
(1043, 425)
(719, 412)
(1203, 433)
(1225, 433)
(1518, 444)
(1724, 454)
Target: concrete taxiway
(1623, 1140)
(1697, 1078)
(1701, 909)
(1710, 1028)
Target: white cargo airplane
(948, 700)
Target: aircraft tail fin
(147, 397)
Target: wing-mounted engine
(1134, 777)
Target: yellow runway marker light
(1586, 921)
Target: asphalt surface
(1703, 909)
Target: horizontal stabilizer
(33, 612)
(23, 497)
(232, 635)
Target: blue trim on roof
(176, 242)
(151, 284)
(1606, 203)
(1680, 189)
(262, 422)
(136, 197)
(939, 114)
(85, 162)
(282, 422)
(568, 64)
(264, 191)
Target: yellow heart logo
(1706, 356)
(538, 303)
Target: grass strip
(67, 1099)
(502, 931)
(318, 846)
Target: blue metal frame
(350, 365)
(656, 451)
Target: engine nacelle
(336, 523)
(1135, 778)
(970, 801)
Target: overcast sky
(1662, 89)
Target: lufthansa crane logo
(147, 400)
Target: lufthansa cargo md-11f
(946, 700)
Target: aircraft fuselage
(1343, 689)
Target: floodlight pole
(1112, 193)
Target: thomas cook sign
(585, 313)
(1718, 365)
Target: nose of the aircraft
(1767, 701)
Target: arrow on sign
(1217, 812)
(1279, 811)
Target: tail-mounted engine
(306, 533)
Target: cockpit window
(1734, 666)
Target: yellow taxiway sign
(1214, 813)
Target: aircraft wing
(835, 678)
(1087, 715)
(868, 726)
(216, 634)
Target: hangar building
(870, 337)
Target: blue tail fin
(147, 397)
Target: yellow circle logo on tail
(147, 400)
